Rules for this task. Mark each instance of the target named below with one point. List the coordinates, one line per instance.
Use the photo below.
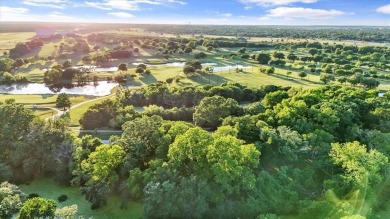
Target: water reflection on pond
(101, 88)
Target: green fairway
(43, 100)
(44, 113)
(77, 112)
(48, 188)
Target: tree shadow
(133, 83)
(204, 78)
(288, 79)
(148, 79)
(45, 96)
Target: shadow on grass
(204, 78)
(133, 83)
(148, 79)
(287, 79)
(45, 96)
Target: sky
(221, 12)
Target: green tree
(38, 208)
(67, 64)
(278, 55)
(67, 212)
(11, 200)
(224, 160)
(313, 51)
(302, 74)
(273, 98)
(326, 78)
(292, 57)
(342, 80)
(358, 164)
(263, 58)
(270, 70)
(100, 170)
(63, 101)
(178, 197)
(211, 110)
(5, 64)
(122, 67)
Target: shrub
(33, 195)
(62, 198)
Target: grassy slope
(44, 113)
(47, 188)
(48, 100)
(76, 113)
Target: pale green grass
(76, 113)
(9, 40)
(50, 189)
(48, 100)
(44, 113)
(47, 50)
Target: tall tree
(63, 101)
(38, 208)
(263, 58)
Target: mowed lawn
(48, 188)
(44, 113)
(48, 100)
(76, 113)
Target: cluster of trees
(161, 94)
(305, 150)
(172, 103)
(300, 149)
(191, 67)
(372, 34)
(22, 49)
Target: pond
(91, 68)
(101, 88)
(170, 64)
(216, 67)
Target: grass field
(8, 40)
(76, 113)
(44, 113)
(48, 100)
(48, 188)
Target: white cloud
(384, 9)
(97, 5)
(308, 13)
(23, 14)
(59, 15)
(132, 5)
(178, 2)
(11, 10)
(275, 2)
(60, 4)
(219, 13)
(226, 15)
(121, 14)
(248, 7)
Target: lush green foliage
(38, 208)
(308, 150)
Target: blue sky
(248, 12)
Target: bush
(62, 198)
(139, 70)
(33, 195)
(169, 80)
